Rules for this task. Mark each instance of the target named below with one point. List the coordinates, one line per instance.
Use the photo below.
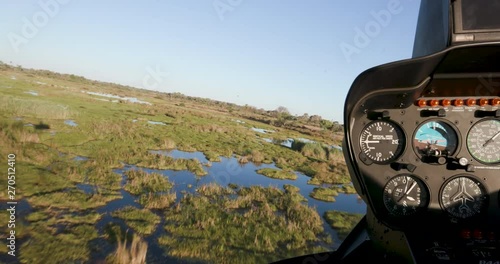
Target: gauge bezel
(424, 204)
(401, 146)
(481, 185)
(451, 125)
(467, 142)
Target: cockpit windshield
(182, 131)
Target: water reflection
(261, 130)
(86, 188)
(157, 123)
(34, 93)
(177, 154)
(130, 99)
(70, 123)
(80, 158)
(229, 170)
(268, 140)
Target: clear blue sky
(258, 52)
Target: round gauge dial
(405, 195)
(382, 141)
(435, 139)
(483, 141)
(463, 197)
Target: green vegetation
(139, 182)
(313, 150)
(278, 174)
(52, 217)
(328, 194)
(158, 200)
(324, 194)
(291, 188)
(44, 246)
(161, 162)
(343, 222)
(38, 108)
(71, 199)
(142, 221)
(259, 225)
(345, 188)
(233, 186)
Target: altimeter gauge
(463, 197)
(382, 141)
(405, 195)
(483, 141)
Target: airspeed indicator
(382, 141)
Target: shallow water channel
(228, 170)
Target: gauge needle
(491, 139)
(462, 194)
(370, 142)
(409, 190)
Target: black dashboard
(424, 144)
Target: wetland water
(227, 171)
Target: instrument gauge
(435, 139)
(382, 141)
(405, 195)
(483, 141)
(463, 197)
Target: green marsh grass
(139, 182)
(158, 200)
(38, 108)
(161, 162)
(73, 199)
(46, 246)
(259, 225)
(291, 188)
(324, 194)
(277, 174)
(143, 221)
(263, 224)
(345, 188)
(343, 222)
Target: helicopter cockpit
(422, 143)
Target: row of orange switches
(459, 102)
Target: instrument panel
(436, 159)
(422, 145)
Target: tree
(304, 117)
(282, 115)
(315, 119)
(325, 124)
(282, 110)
